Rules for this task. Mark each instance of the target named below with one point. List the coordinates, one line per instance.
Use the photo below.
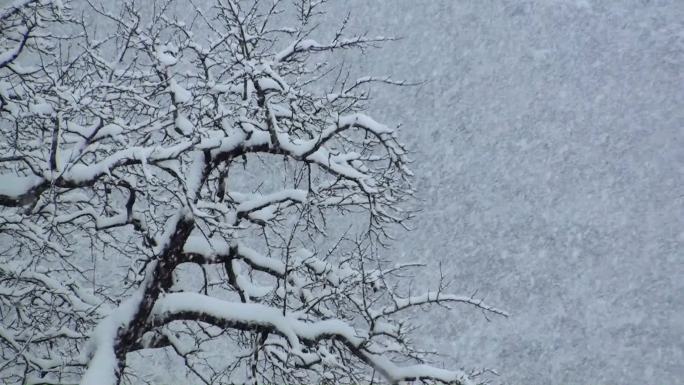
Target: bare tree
(175, 176)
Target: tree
(175, 177)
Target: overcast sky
(549, 151)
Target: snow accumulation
(269, 84)
(14, 186)
(207, 247)
(102, 366)
(290, 327)
(109, 130)
(180, 94)
(420, 371)
(165, 56)
(253, 315)
(301, 45)
(41, 108)
(8, 55)
(260, 201)
(184, 124)
(212, 247)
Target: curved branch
(261, 318)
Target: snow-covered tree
(199, 179)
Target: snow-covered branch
(178, 181)
(297, 332)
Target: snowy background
(549, 149)
(548, 141)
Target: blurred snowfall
(549, 152)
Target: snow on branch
(255, 317)
(166, 171)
